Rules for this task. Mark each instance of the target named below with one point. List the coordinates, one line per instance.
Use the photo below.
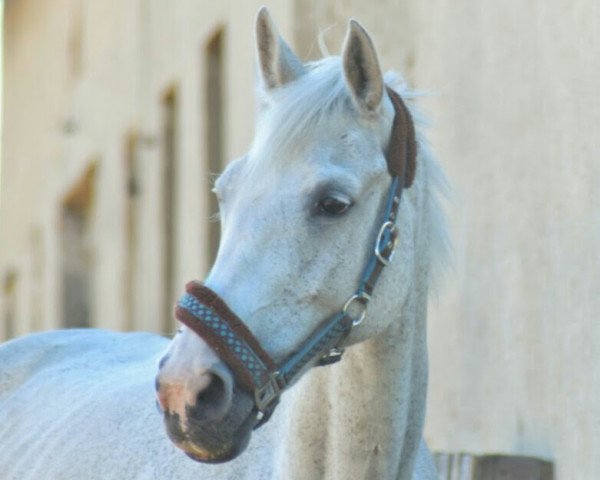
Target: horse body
(79, 404)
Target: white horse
(299, 216)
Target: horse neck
(361, 418)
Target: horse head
(299, 216)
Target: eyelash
(332, 206)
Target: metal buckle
(391, 243)
(267, 393)
(361, 299)
(334, 355)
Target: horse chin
(198, 454)
(214, 441)
(201, 446)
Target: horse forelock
(299, 110)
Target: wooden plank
(464, 466)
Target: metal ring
(391, 226)
(362, 299)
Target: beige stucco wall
(515, 338)
(61, 118)
(514, 335)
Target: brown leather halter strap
(204, 312)
(402, 150)
(225, 332)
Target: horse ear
(361, 68)
(278, 64)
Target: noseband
(204, 312)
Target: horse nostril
(212, 403)
(163, 360)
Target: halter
(204, 312)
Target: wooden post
(464, 466)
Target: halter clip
(387, 241)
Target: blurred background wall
(117, 112)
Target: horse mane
(300, 108)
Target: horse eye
(333, 206)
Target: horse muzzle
(206, 413)
(208, 435)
